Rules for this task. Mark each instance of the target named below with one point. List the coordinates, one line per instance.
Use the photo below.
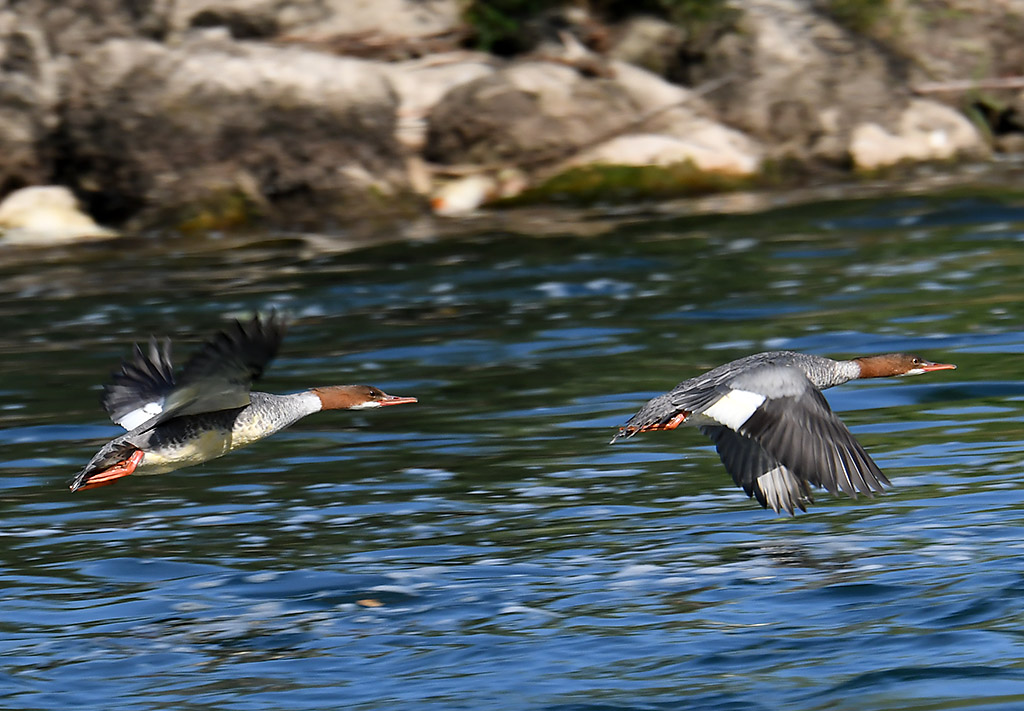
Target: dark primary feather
(146, 378)
(238, 354)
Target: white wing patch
(734, 408)
(136, 417)
(780, 488)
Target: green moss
(226, 210)
(690, 12)
(503, 26)
(499, 24)
(860, 16)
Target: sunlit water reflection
(486, 548)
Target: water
(487, 548)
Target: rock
(927, 131)
(29, 97)
(76, 26)
(46, 215)
(317, 20)
(422, 83)
(955, 39)
(401, 18)
(243, 19)
(548, 114)
(534, 111)
(652, 94)
(159, 128)
(662, 107)
(710, 147)
(648, 42)
(800, 82)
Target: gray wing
(218, 377)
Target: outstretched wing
(218, 377)
(788, 418)
(226, 365)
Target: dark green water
(486, 548)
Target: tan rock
(463, 196)
(533, 112)
(710, 147)
(44, 215)
(787, 65)
(317, 19)
(422, 83)
(927, 131)
(30, 93)
(288, 128)
(649, 42)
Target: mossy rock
(227, 210)
(616, 183)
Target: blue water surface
(487, 548)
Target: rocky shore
(209, 114)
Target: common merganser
(772, 427)
(208, 409)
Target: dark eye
(916, 361)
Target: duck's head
(898, 364)
(356, 397)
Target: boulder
(710, 148)
(648, 42)
(396, 18)
(422, 83)
(152, 127)
(926, 131)
(318, 20)
(73, 27)
(29, 97)
(799, 81)
(46, 215)
(243, 19)
(525, 113)
(956, 39)
(546, 115)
